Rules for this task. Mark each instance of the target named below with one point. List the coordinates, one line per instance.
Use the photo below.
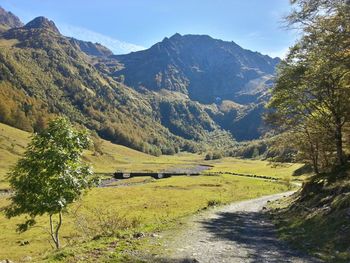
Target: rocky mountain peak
(42, 23)
(9, 20)
(176, 36)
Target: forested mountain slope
(43, 74)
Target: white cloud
(115, 45)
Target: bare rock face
(9, 20)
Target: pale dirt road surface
(239, 232)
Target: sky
(130, 25)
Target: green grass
(117, 157)
(255, 167)
(12, 144)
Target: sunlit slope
(12, 144)
(117, 157)
(113, 157)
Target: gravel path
(239, 232)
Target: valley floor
(117, 221)
(114, 223)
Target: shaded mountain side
(245, 123)
(43, 74)
(204, 68)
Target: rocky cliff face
(42, 23)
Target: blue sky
(131, 25)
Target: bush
(217, 155)
(100, 222)
(214, 202)
(208, 156)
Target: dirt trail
(239, 232)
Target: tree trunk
(54, 232)
(315, 160)
(339, 142)
(314, 152)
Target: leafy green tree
(50, 176)
(5, 114)
(307, 12)
(311, 98)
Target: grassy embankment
(144, 208)
(317, 218)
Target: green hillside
(107, 159)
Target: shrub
(217, 155)
(208, 156)
(214, 202)
(98, 222)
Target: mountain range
(187, 92)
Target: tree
(311, 97)
(50, 176)
(209, 156)
(306, 12)
(21, 121)
(5, 114)
(40, 124)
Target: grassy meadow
(255, 167)
(106, 218)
